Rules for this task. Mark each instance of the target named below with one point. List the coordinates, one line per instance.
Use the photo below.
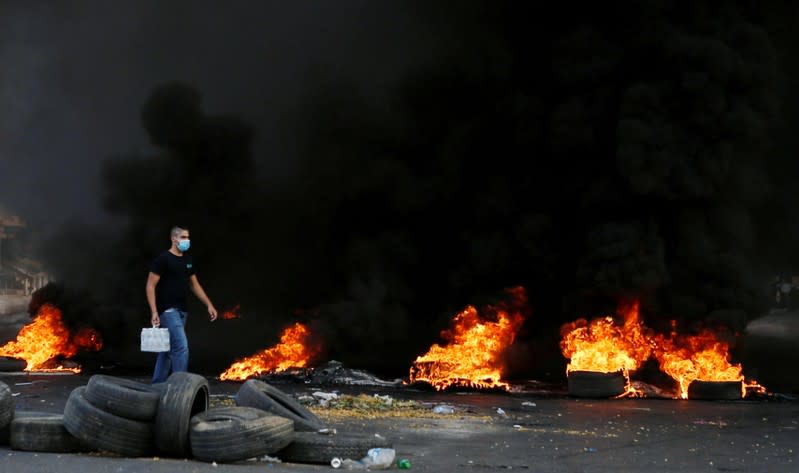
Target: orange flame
(702, 356)
(604, 346)
(472, 356)
(231, 313)
(295, 350)
(46, 337)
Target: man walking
(171, 275)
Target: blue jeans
(177, 358)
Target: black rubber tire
(101, 430)
(595, 384)
(6, 413)
(6, 405)
(8, 364)
(234, 433)
(256, 393)
(5, 433)
(43, 432)
(715, 390)
(123, 397)
(184, 396)
(312, 447)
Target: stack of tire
(172, 419)
(134, 419)
(312, 441)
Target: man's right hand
(155, 320)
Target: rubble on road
(331, 373)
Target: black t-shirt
(173, 287)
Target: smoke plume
(588, 154)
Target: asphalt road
(550, 433)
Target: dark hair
(176, 231)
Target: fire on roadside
(702, 357)
(607, 345)
(46, 338)
(296, 349)
(474, 348)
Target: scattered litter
(517, 426)
(719, 423)
(15, 394)
(306, 399)
(501, 412)
(335, 462)
(367, 406)
(528, 404)
(443, 409)
(22, 384)
(335, 373)
(589, 449)
(379, 458)
(387, 400)
(213, 464)
(326, 431)
(350, 464)
(325, 396)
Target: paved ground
(556, 434)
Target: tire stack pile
(173, 419)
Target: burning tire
(312, 447)
(715, 390)
(123, 397)
(43, 432)
(12, 364)
(183, 396)
(255, 393)
(227, 434)
(103, 431)
(596, 384)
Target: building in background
(19, 274)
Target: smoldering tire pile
(173, 419)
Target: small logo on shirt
(188, 265)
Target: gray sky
(73, 76)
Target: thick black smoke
(587, 153)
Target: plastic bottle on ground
(379, 458)
(349, 464)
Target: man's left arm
(200, 293)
